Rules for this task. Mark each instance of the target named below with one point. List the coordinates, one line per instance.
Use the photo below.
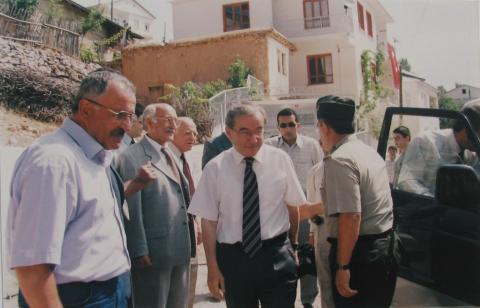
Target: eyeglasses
(120, 115)
(289, 124)
(169, 119)
(246, 133)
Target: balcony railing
(312, 26)
(317, 22)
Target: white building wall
(195, 18)
(464, 92)
(278, 82)
(345, 81)
(288, 19)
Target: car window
(412, 163)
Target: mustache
(118, 132)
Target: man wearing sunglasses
(305, 153)
(65, 232)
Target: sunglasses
(289, 124)
(120, 115)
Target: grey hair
(185, 120)
(96, 83)
(150, 111)
(243, 109)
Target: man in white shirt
(305, 153)
(183, 141)
(247, 198)
(432, 149)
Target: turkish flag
(395, 69)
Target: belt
(110, 282)
(366, 237)
(265, 243)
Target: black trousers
(269, 278)
(373, 271)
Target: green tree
(404, 65)
(448, 103)
(93, 22)
(239, 72)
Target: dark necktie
(132, 141)
(188, 174)
(251, 238)
(171, 165)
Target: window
(464, 91)
(315, 13)
(281, 62)
(369, 24)
(147, 27)
(361, 20)
(236, 16)
(320, 69)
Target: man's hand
(342, 282)
(216, 283)
(142, 262)
(145, 174)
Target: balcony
(314, 26)
(317, 22)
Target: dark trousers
(373, 271)
(269, 278)
(95, 294)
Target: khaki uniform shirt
(356, 181)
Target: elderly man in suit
(158, 236)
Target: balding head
(186, 134)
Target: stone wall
(39, 81)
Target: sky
(440, 39)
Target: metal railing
(222, 102)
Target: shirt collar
(299, 142)
(176, 152)
(344, 140)
(157, 146)
(92, 149)
(259, 157)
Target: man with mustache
(157, 232)
(65, 232)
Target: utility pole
(111, 10)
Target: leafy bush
(87, 55)
(93, 22)
(239, 72)
(191, 100)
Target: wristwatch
(342, 267)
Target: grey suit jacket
(158, 224)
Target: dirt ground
(18, 130)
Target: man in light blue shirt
(65, 231)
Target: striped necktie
(251, 240)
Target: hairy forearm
(311, 209)
(294, 223)
(38, 286)
(348, 231)
(209, 233)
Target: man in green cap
(359, 206)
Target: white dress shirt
(305, 153)
(219, 195)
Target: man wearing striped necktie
(248, 199)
